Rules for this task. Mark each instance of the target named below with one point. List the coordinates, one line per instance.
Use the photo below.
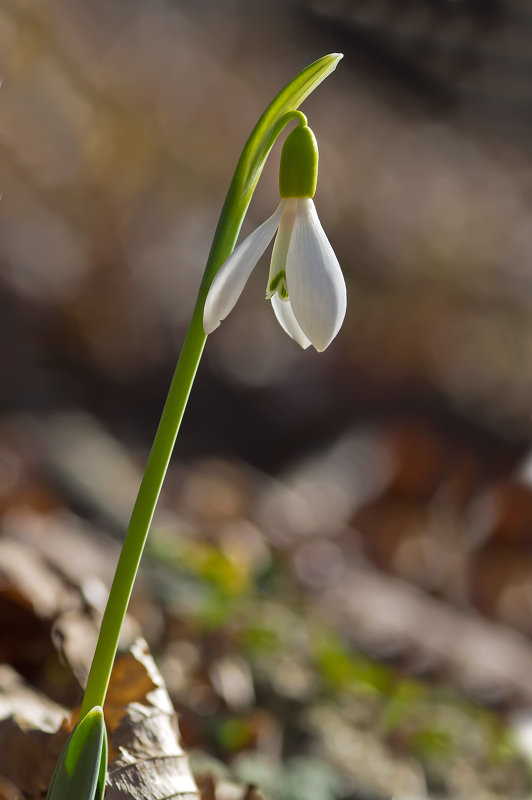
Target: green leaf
(81, 769)
(281, 110)
(102, 774)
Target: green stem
(143, 511)
(279, 113)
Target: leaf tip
(336, 57)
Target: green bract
(298, 171)
(80, 771)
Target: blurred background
(338, 589)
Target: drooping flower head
(305, 283)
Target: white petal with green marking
(305, 282)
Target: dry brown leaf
(146, 758)
(27, 581)
(31, 734)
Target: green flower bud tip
(298, 172)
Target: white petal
(315, 282)
(288, 322)
(232, 276)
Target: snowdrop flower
(305, 285)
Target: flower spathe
(305, 285)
